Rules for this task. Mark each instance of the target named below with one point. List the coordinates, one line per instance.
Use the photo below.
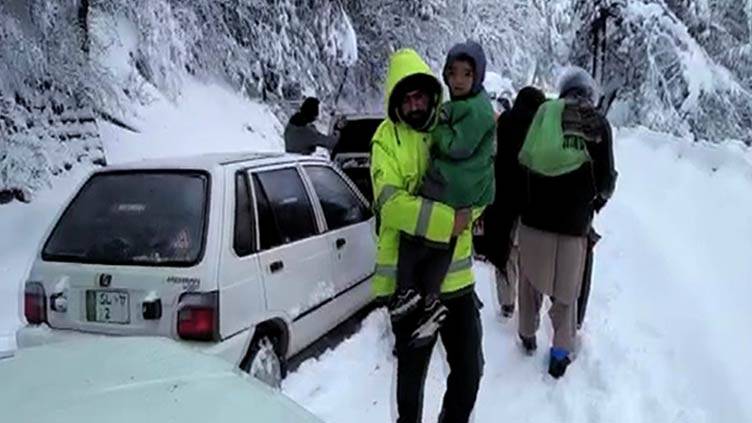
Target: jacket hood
(473, 51)
(527, 102)
(408, 71)
(576, 82)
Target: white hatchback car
(250, 257)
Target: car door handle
(276, 266)
(341, 242)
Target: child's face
(460, 77)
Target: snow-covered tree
(683, 66)
(669, 80)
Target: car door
(241, 301)
(295, 256)
(350, 227)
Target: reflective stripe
(463, 264)
(386, 271)
(386, 193)
(390, 271)
(424, 218)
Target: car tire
(265, 362)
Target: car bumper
(231, 349)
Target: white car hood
(134, 380)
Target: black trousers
(461, 334)
(423, 265)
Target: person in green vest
(460, 175)
(569, 169)
(400, 158)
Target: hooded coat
(461, 173)
(566, 204)
(499, 218)
(399, 160)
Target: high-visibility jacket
(399, 159)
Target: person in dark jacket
(557, 214)
(301, 137)
(500, 218)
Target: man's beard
(417, 119)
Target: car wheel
(264, 362)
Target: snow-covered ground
(667, 332)
(23, 226)
(666, 337)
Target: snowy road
(667, 335)
(666, 338)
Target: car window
(269, 236)
(243, 231)
(134, 218)
(285, 212)
(340, 204)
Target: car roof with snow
(134, 379)
(213, 161)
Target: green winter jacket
(399, 159)
(462, 167)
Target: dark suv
(352, 153)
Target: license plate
(107, 307)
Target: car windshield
(134, 218)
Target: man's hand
(462, 220)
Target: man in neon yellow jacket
(400, 156)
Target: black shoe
(529, 344)
(429, 324)
(507, 310)
(403, 304)
(559, 362)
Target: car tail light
(35, 303)
(198, 317)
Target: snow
(345, 41)
(703, 93)
(206, 118)
(119, 39)
(200, 117)
(665, 337)
(498, 86)
(324, 290)
(23, 226)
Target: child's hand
(462, 219)
(444, 117)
